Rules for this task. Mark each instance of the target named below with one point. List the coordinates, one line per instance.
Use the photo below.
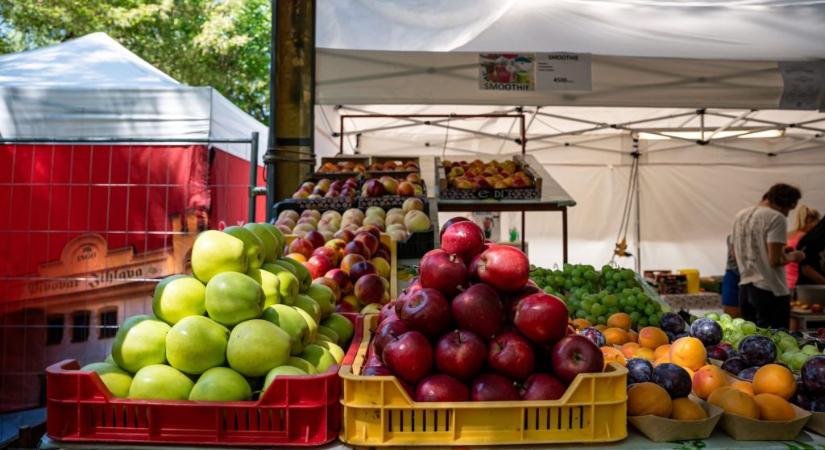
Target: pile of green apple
(244, 317)
(791, 353)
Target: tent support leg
(270, 165)
(637, 155)
(253, 179)
(564, 255)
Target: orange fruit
(648, 399)
(628, 348)
(688, 352)
(744, 386)
(600, 327)
(662, 350)
(612, 354)
(581, 323)
(774, 407)
(652, 337)
(661, 360)
(633, 336)
(615, 336)
(644, 353)
(686, 409)
(619, 320)
(774, 379)
(708, 379)
(734, 401)
(715, 397)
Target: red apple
(504, 267)
(386, 332)
(369, 289)
(388, 312)
(478, 309)
(373, 188)
(441, 388)
(426, 311)
(357, 248)
(330, 284)
(443, 271)
(318, 265)
(315, 238)
(329, 253)
(576, 354)
(360, 269)
(340, 278)
(541, 317)
(405, 189)
(491, 387)
(510, 354)
(461, 354)
(369, 240)
(350, 302)
(464, 239)
(302, 246)
(409, 357)
(349, 260)
(542, 386)
(344, 234)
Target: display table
(719, 440)
(704, 301)
(806, 320)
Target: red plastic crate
(295, 411)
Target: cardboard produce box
(745, 429)
(662, 429)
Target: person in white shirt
(759, 237)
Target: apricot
(688, 352)
(619, 320)
(652, 337)
(662, 360)
(715, 397)
(744, 386)
(648, 399)
(774, 379)
(661, 350)
(600, 327)
(774, 407)
(633, 336)
(708, 379)
(581, 324)
(686, 409)
(644, 353)
(734, 401)
(628, 348)
(615, 336)
(612, 354)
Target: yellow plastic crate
(379, 412)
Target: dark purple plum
(734, 365)
(817, 405)
(813, 376)
(672, 322)
(707, 331)
(639, 371)
(670, 336)
(681, 335)
(757, 350)
(594, 335)
(674, 379)
(717, 352)
(747, 374)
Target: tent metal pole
(800, 126)
(637, 156)
(253, 178)
(341, 134)
(270, 159)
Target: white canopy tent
(93, 87)
(694, 87)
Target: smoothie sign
(507, 71)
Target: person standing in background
(730, 283)
(806, 219)
(759, 236)
(812, 268)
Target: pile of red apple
(394, 166)
(481, 175)
(326, 188)
(341, 167)
(473, 327)
(387, 185)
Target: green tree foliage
(218, 43)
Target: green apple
(323, 338)
(221, 384)
(178, 296)
(215, 252)
(319, 357)
(797, 361)
(195, 344)
(309, 305)
(140, 342)
(281, 371)
(287, 266)
(302, 272)
(333, 348)
(160, 382)
(291, 321)
(327, 332)
(788, 343)
(279, 238)
(267, 238)
(252, 245)
(256, 346)
(810, 350)
(116, 379)
(270, 283)
(312, 326)
(302, 364)
(288, 285)
(109, 359)
(341, 325)
(233, 297)
(324, 296)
